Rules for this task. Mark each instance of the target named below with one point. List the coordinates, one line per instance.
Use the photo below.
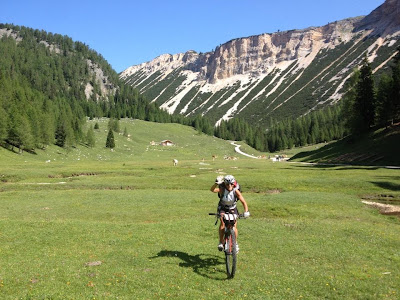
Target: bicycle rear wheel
(230, 253)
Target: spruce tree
(61, 135)
(3, 125)
(365, 98)
(260, 142)
(395, 92)
(385, 107)
(65, 135)
(113, 124)
(110, 143)
(47, 121)
(350, 116)
(19, 130)
(90, 138)
(125, 132)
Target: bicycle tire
(230, 253)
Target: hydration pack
(236, 186)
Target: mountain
(50, 84)
(272, 75)
(76, 67)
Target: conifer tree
(125, 132)
(46, 130)
(110, 143)
(385, 108)
(207, 128)
(260, 142)
(90, 137)
(349, 114)
(19, 130)
(113, 124)
(64, 134)
(3, 124)
(61, 134)
(395, 93)
(196, 124)
(365, 98)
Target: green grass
(309, 235)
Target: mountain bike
(230, 241)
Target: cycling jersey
(229, 198)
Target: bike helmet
(229, 179)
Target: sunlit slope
(142, 143)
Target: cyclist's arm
(240, 197)
(215, 188)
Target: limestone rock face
(272, 74)
(383, 20)
(165, 63)
(261, 53)
(251, 55)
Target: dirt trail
(385, 209)
(237, 149)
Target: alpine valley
(271, 75)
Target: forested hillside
(49, 84)
(372, 101)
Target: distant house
(166, 143)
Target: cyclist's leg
(236, 231)
(221, 229)
(235, 211)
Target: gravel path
(237, 149)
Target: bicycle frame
(229, 220)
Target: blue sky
(127, 33)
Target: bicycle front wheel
(230, 253)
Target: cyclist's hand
(219, 180)
(246, 214)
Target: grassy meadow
(90, 223)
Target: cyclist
(229, 193)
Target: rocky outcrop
(165, 63)
(251, 55)
(259, 54)
(384, 20)
(105, 85)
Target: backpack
(222, 187)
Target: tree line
(318, 126)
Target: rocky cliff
(383, 20)
(262, 53)
(270, 75)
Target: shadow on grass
(202, 264)
(373, 148)
(388, 186)
(335, 167)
